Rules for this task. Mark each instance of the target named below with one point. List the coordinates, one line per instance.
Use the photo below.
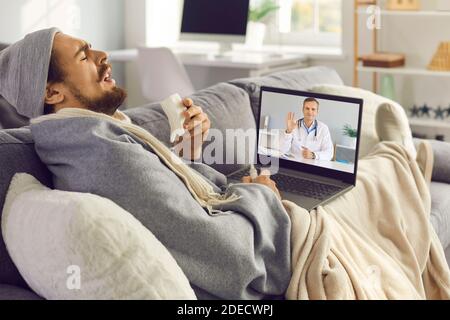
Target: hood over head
(24, 70)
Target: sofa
(17, 152)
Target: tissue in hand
(174, 108)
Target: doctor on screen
(307, 138)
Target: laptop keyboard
(296, 185)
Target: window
(305, 22)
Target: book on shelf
(383, 60)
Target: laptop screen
(312, 129)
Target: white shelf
(417, 122)
(429, 13)
(405, 71)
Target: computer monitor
(222, 21)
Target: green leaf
(263, 10)
(350, 132)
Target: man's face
(88, 81)
(310, 111)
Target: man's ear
(53, 94)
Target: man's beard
(108, 103)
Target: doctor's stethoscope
(316, 127)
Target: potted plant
(350, 135)
(256, 28)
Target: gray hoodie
(23, 72)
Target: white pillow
(70, 245)
(372, 101)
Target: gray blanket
(241, 253)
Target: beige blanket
(375, 242)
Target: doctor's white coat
(321, 145)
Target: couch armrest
(8, 292)
(441, 168)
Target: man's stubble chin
(108, 103)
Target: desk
(257, 64)
(208, 69)
(319, 163)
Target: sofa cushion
(17, 154)
(70, 245)
(227, 107)
(299, 79)
(8, 292)
(441, 168)
(391, 123)
(440, 211)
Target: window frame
(306, 38)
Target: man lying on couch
(237, 251)
(231, 241)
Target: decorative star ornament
(415, 111)
(439, 113)
(425, 110)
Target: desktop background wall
(334, 114)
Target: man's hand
(197, 125)
(291, 124)
(264, 179)
(307, 154)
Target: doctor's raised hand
(291, 123)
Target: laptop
(315, 159)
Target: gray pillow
(441, 168)
(440, 211)
(299, 79)
(227, 106)
(17, 154)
